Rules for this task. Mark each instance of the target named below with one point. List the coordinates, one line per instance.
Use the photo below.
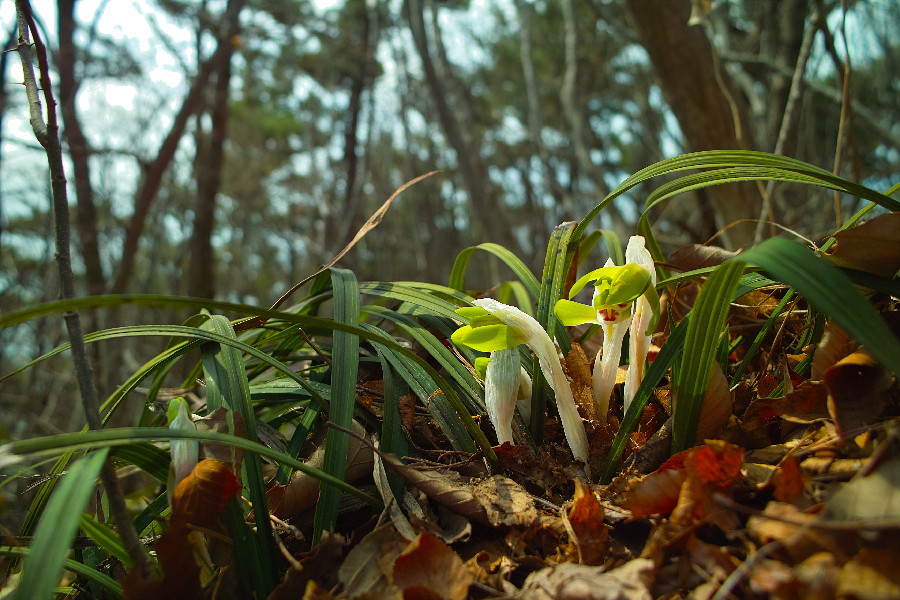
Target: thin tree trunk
(202, 270)
(486, 206)
(348, 222)
(575, 116)
(536, 121)
(153, 172)
(710, 115)
(79, 150)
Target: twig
(48, 136)
(787, 121)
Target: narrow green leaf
(147, 457)
(298, 438)
(707, 321)
(393, 438)
(226, 374)
(344, 368)
(105, 538)
(55, 532)
(458, 273)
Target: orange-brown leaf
(428, 568)
(586, 519)
(201, 496)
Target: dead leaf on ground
(873, 497)
(303, 490)
(873, 246)
(505, 502)
(871, 575)
(591, 535)
(569, 581)
(857, 386)
(428, 568)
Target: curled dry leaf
(303, 490)
(857, 386)
(505, 502)
(579, 370)
(697, 256)
(875, 496)
(223, 420)
(873, 246)
(569, 581)
(788, 481)
(198, 500)
(428, 568)
(687, 481)
(201, 496)
(834, 346)
(799, 540)
(591, 533)
(872, 575)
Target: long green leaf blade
(57, 528)
(344, 368)
(701, 341)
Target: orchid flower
(615, 290)
(494, 326)
(646, 315)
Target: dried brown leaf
(697, 256)
(856, 384)
(569, 581)
(873, 246)
(586, 519)
(717, 406)
(303, 490)
(505, 502)
(875, 496)
(428, 568)
(871, 575)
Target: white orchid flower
(495, 326)
(615, 291)
(645, 314)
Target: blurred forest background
(227, 148)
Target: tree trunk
(202, 270)
(487, 207)
(153, 172)
(711, 116)
(577, 122)
(79, 151)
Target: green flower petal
(574, 313)
(488, 338)
(470, 312)
(481, 364)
